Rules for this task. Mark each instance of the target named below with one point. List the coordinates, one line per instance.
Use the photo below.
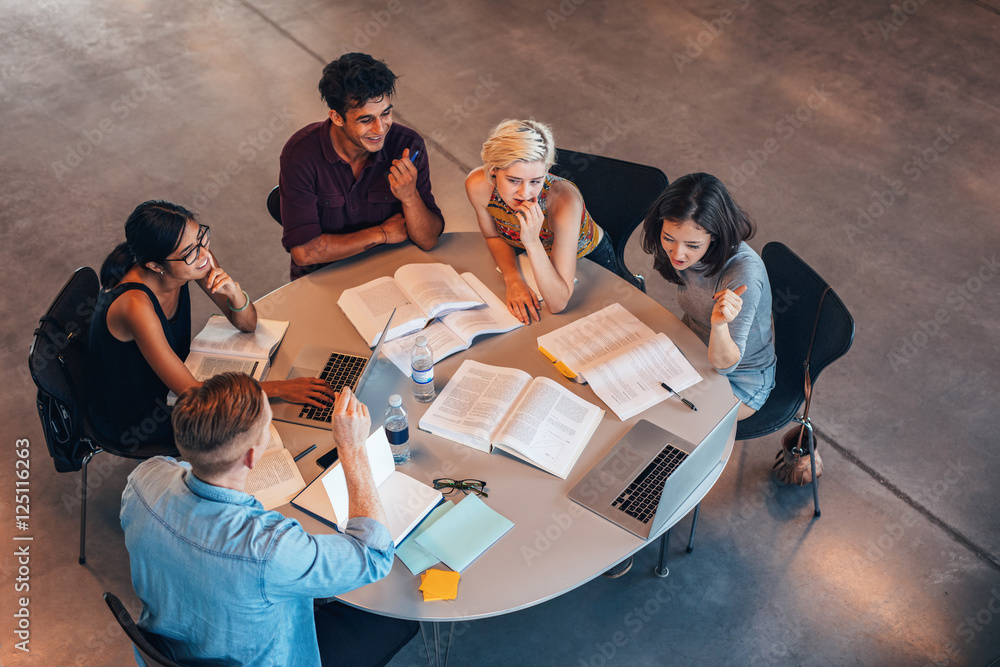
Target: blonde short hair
(217, 423)
(518, 141)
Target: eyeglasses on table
(477, 486)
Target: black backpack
(57, 362)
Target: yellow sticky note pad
(439, 585)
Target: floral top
(509, 225)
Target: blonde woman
(521, 206)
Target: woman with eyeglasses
(141, 328)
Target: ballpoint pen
(684, 400)
(304, 452)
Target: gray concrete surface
(863, 135)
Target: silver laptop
(339, 369)
(649, 473)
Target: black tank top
(127, 397)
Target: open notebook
(406, 501)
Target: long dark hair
(152, 232)
(704, 200)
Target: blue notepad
(464, 533)
(415, 557)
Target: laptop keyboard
(340, 370)
(641, 498)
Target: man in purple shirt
(355, 180)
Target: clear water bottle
(397, 430)
(422, 370)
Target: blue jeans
(752, 386)
(604, 255)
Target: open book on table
(406, 501)
(621, 358)
(536, 420)
(418, 292)
(275, 479)
(221, 347)
(455, 331)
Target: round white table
(555, 545)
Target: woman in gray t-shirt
(696, 234)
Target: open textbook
(455, 331)
(221, 347)
(536, 420)
(621, 358)
(406, 501)
(418, 292)
(275, 479)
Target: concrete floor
(861, 134)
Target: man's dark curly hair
(353, 79)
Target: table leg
(662, 570)
(436, 661)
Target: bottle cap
(421, 341)
(395, 401)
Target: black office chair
(274, 204)
(150, 655)
(812, 329)
(57, 362)
(618, 195)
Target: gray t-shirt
(751, 330)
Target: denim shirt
(221, 579)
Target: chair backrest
(150, 655)
(796, 290)
(617, 193)
(57, 363)
(274, 204)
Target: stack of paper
(622, 359)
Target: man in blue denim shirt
(219, 577)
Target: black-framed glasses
(192, 255)
(477, 486)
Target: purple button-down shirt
(319, 194)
